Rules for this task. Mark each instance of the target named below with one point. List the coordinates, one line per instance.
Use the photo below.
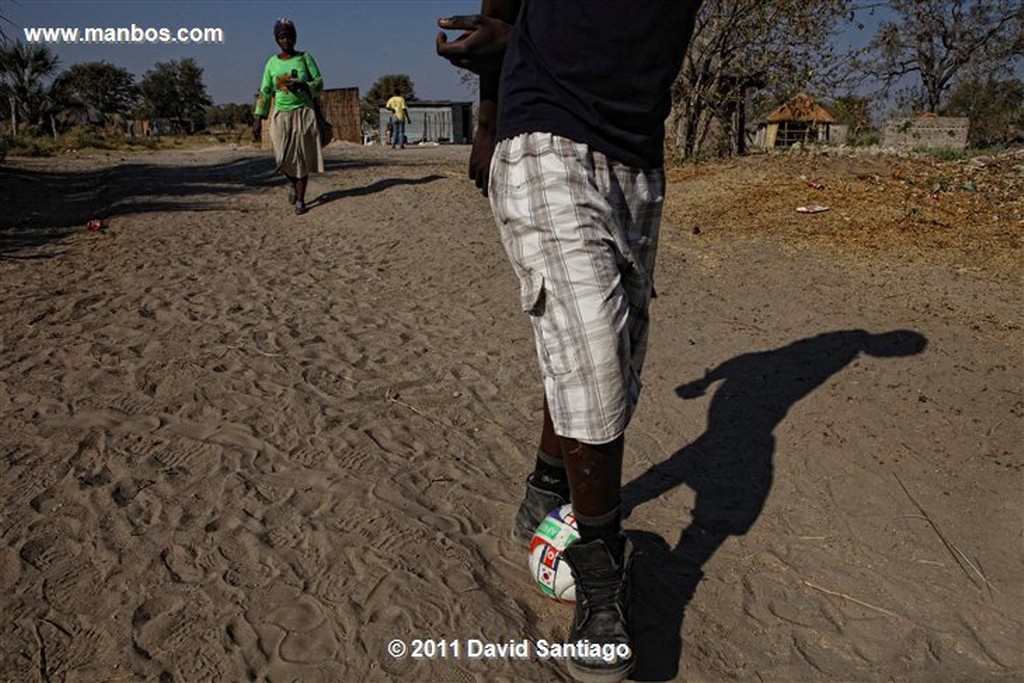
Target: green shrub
(865, 139)
(942, 153)
(29, 147)
(148, 143)
(86, 139)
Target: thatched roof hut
(800, 108)
(800, 119)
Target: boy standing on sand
(398, 106)
(569, 148)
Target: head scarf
(284, 27)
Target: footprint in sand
(74, 584)
(183, 565)
(194, 460)
(47, 547)
(67, 647)
(175, 630)
(293, 627)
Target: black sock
(606, 527)
(549, 474)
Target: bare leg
(550, 444)
(595, 475)
(547, 487)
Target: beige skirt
(296, 142)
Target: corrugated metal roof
(433, 103)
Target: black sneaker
(601, 627)
(536, 505)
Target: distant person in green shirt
(397, 105)
(291, 80)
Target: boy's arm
(481, 49)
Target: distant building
(440, 121)
(799, 120)
(160, 126)
(341, 108)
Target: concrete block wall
(932, 132)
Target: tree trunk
(741, 124)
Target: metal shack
(433, 122)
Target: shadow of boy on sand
(729, 467)
(45, 206)
(372, 188)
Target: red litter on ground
(95, 224)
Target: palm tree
(23, 68)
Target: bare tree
(935, 41)
(739, 45)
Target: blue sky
(354, 41)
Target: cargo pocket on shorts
(554, 356)
(531, 294)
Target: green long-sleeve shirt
(301, 67)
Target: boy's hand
(483, 146)
(480, 48)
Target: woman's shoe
(300, 207)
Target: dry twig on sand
(850, 598)
(958, 555)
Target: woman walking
(291, 81)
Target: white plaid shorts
(581, 232)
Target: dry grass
(968, 214)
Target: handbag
(322, 124)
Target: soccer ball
(548, 567)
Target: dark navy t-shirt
(595, 71)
